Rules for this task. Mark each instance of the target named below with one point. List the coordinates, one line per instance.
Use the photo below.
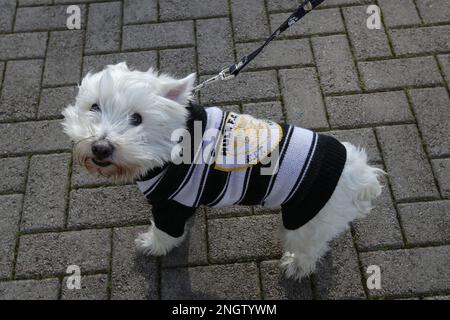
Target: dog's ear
(122, 66)
(179, 90)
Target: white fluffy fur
(162, 100)
(356, 188)
(156, 242)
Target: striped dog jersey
(241, 160)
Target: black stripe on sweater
(318, 184)
(222, 192)
(246, 182)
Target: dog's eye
(135, 119)
(95, 108)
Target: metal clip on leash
(233, 70)
(222, 75)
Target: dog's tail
(363, 179)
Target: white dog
(141, 126)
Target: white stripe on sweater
(291, 167)
(234, 189)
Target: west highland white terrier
(142, 126)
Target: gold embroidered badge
(246, 141)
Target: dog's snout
(102, 149)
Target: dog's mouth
(101, 163)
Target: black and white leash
(233, 70)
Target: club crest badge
(246, 141)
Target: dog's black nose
(102, 149)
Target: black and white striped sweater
(308, 168)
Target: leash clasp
(225, 74)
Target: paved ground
(387, 90)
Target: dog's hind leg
(357, 187)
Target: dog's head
(122, 120)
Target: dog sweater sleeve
(171, 216)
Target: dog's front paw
(296, 266)
(145, 244)
(156, 242)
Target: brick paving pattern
(386, 90)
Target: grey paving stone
(337, 276)
(316, 22)
(7, 15)
(380, 229)
(73, 1)
(63, 63)
(265, 210)
(276, 287)
(82, 178)
(23, 45)
(45, 18)
(214, 45)
(103, 27)
(46, 289)
(229, 211)
(367, 43)
(441, 168)
(334, 62)
(426, 222)
(364, 138)
(410, 272)
(368, 109)
(249, 20)
(193, 249)
(47, 188)
(39, 136)
(107, 206)
(20, 91)
(54, 100)
(135, 60)
(140, 11)
(13, 172)
(177, 62)
(399, 13)
(265, 110)
(431, 107)
(133, 276)
(152, 36)
(51, 253)
(344, 2)
(421, 40)
(278, 54)
(249, 85)
(10, 206)
(302, 98)
(244, 238)
(231, 281)
(407, 166)
(399, 73)
(281, 5)
(94, 287)
(230, 108)
(434, 11)
(2, 68)
(437, 298)
(33, 2)
(194, 9)
(444, 62)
